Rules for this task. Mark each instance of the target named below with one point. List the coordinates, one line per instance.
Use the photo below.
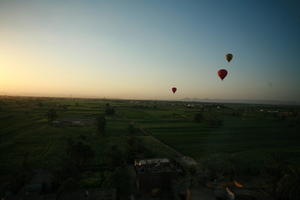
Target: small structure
(158, 173)
(189, 106)
(74, 122)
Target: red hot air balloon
(174, 89)
(222, 73)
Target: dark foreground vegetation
(56, 148)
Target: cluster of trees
(115, 174)
(23, 175)
(78, 156)
(101, 120)
(118, 159)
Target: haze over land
(140, 49)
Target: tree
(198, 117)
(109, 110)
(51, 115)
(101, 124)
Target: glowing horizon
(139, 50)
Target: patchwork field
(245, 131)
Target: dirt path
(182, 158)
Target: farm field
(24, 128)
(253, 135)
(243, 137)
(248, 135)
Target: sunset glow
(140, 49)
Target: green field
(236, 136)
(254, 134)
(245, 132)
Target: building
(156, 174)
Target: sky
(140, 49)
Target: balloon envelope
(228, 57)
(222, 73)
(174, 89)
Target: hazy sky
(142, 48)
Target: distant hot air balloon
(174, 89)
(228, 57)
(222, 73)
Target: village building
(156, 175)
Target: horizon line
(187, 99)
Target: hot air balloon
(228, 57)
(174, 89)
(222, 73)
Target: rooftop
(156, 165)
